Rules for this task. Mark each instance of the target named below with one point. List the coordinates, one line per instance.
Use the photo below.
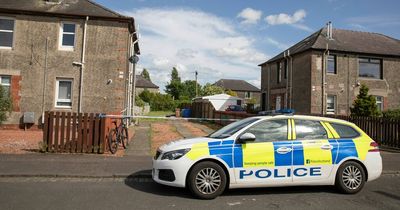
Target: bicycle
(118, 135)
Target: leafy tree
(210, 89)
(189, 89)
(365, 104)
(145, 74)
(5, 104)
(174, 87)
(231, 93)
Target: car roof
(305, 117)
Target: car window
(269, 130)
(232, 128)
(345, 131)
(309, 129)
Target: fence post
(46, 131)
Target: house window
(5, 82)
(64, 93)
(330, 104)
(379, 102)
(6, 33)
(331, 65)
(370, 68)
(278, 72)
(247, 95)
(67, 39)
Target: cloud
(250, 16)
(283, 18)
(193, 40)
(276, 43)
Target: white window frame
(58, 80)
(379, 103)
(5, 84)
(61, 35)
(13, 33)
(331, 111)
(247, 95)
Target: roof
(346, 41)
(141, 82)
(66, 8)
(236, 85)
(222, 96)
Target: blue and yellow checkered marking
(264, 154)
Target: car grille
(158, 153)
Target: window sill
(71, 49)
(63, 107)
(373, 79)
(5, 48)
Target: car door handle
(283, 150)
(326, 147)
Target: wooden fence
(75, 132)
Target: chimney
(329, 30)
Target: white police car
(271, 151)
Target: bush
(365, 104)
(5, 105)
(158, 101)
(393, 114)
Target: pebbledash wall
(104, 77)
(344, 85)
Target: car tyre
(207, 180)
(350, 177)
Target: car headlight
(174, 155)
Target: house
(322, 74)
(142, 84)
(220, 102)
(66, 55)
(242, 88)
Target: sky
(227, 39)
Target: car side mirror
(247, 137)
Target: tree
(174, 87)
(231, 93)
(210, 89)
(5, 104)
(189, 89)
(145, 74)
(365, 104)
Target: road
(141, 193)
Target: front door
(315, 151)
(267, 160)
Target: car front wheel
(207, 180)
(350, 177)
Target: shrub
(5, 105)
(393, 114)
(365, 104)
(158, 101)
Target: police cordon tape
(169, 118)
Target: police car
(269, 151)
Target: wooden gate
(75, 132)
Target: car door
(268, 159)
(314, 151)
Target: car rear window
(345, 131)
(309, 130)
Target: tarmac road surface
(142, 193)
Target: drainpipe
(291, 79)
(285, 72)
(324, 58)
(82, 65)
(45, 78)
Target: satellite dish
(134, 59)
